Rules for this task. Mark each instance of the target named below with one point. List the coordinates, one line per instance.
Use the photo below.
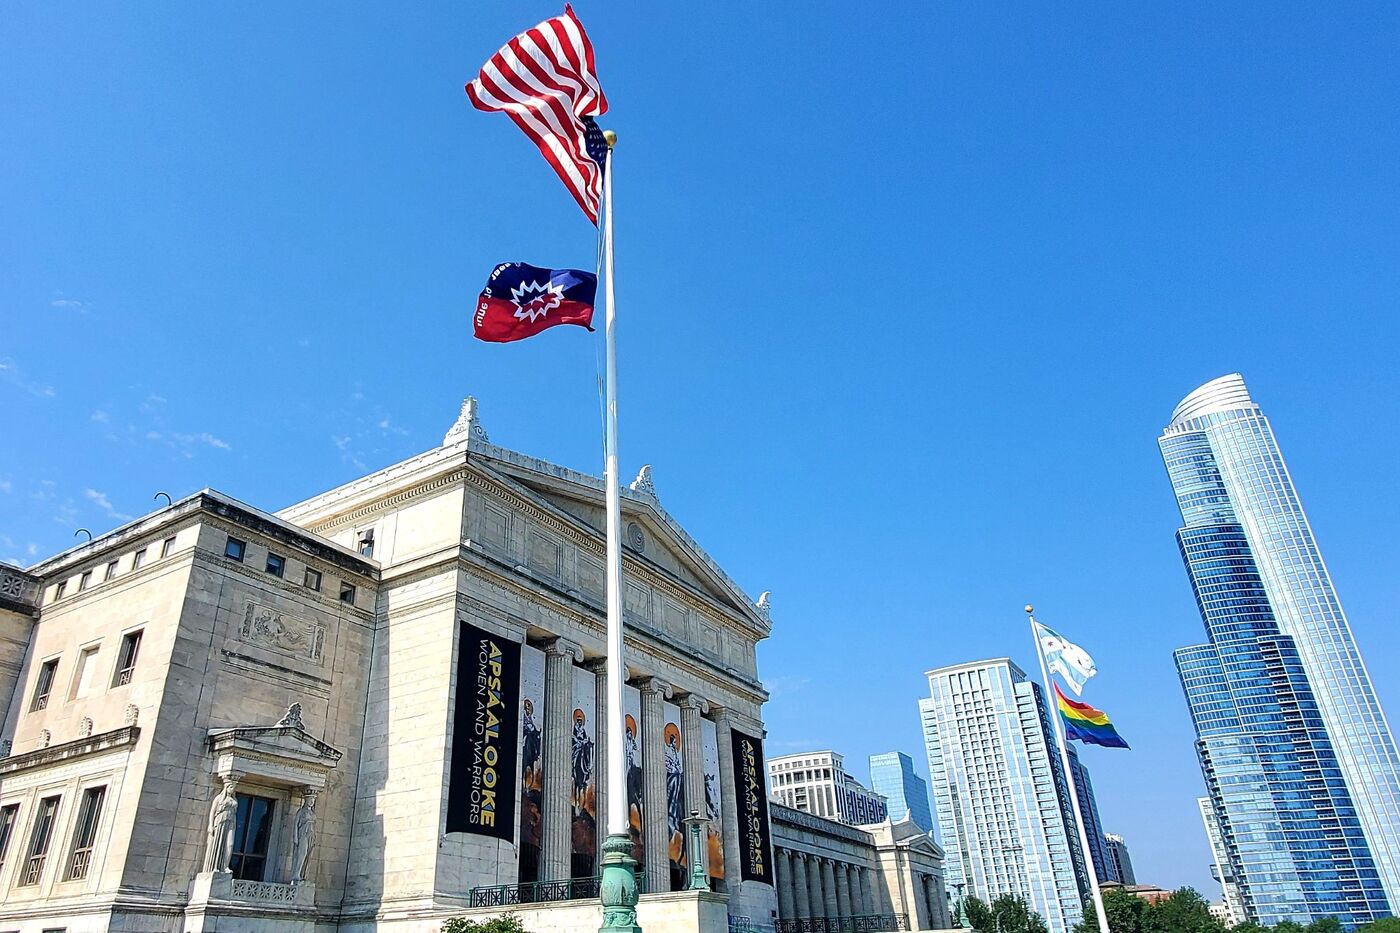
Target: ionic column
(931, 900)
(729, 807)
(557, 816)
(801, 899)
(829, 889)
(784, 878)
(599, 667)
(658, 869)
(693, 754)
(843, 890)
(867, 892)
(814, 886)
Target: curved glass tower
(1299, 760)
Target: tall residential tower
(1001, 798)
(1297, 755)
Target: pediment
(286, 742)
(649, 532)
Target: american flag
(546, 81)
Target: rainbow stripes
(1083, 723)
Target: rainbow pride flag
(1083, 723)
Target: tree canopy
(1007, 914)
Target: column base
(618, 890)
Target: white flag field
(1067, 659)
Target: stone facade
(834, 877)
(305, 663)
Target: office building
(1298, 759)
(1120, 865)
(817, 783)
(1220, 864)
(892, 776)
(375, 710)
(1000, 795)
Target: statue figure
(303, 837)
(222, 816)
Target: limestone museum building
(376, 709)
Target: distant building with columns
(376, 709)
(818, 783)
(833, 877)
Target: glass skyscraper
(1297, 756)
(1000, 796)
(892, 774)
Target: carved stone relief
(269, 628)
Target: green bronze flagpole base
(619, 887)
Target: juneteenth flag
(1083, 723)
(520, 300)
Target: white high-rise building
(1220, 865)
(817, 783)
(1002, 801)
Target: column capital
(693, 701)
(650, 686)
(596, 665)
(560, 646)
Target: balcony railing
(542, 892)
(32, 870)
(78, 868)
(870, 923)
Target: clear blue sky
(907, 293)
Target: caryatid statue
(223, 814)
(303, 836)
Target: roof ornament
(292, 720)
(765, 606)
(643, 484)
(467, 427)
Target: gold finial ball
(1030, 609)
(610, 138)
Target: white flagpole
(1059, 726)
(615, 803)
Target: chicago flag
(520, 300)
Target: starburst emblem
(533, 300)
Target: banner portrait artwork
(751, 797)
(481, 788)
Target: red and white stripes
(546, 81)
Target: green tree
(503, 924)
(1125, 913)
(1006, 914)
(1386, 925)
(1185, 911)
(1325, 925)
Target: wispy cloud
(101, 417)
(100, 500)
(785, 685)
(10, 372)
(6, 486)
(69, 304)
(344, 444)
(186, 444)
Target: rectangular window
(60, 589)
(276, 564)
(85, 833)
(44, 819)
(366, 542)
(234, 549)
(111, 570)
(84, 673)
(84, 580)
(8, 817)
(44, 685)
(138, 559)
(126, 658)
(312, 580)
(252, 830)
(347, 593)
(167, 546)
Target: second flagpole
(1069, 774)
(618, 890)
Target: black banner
(481, 789)
(751, 795)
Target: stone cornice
(781, 814)
(79, 748)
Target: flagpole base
(618, 889)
